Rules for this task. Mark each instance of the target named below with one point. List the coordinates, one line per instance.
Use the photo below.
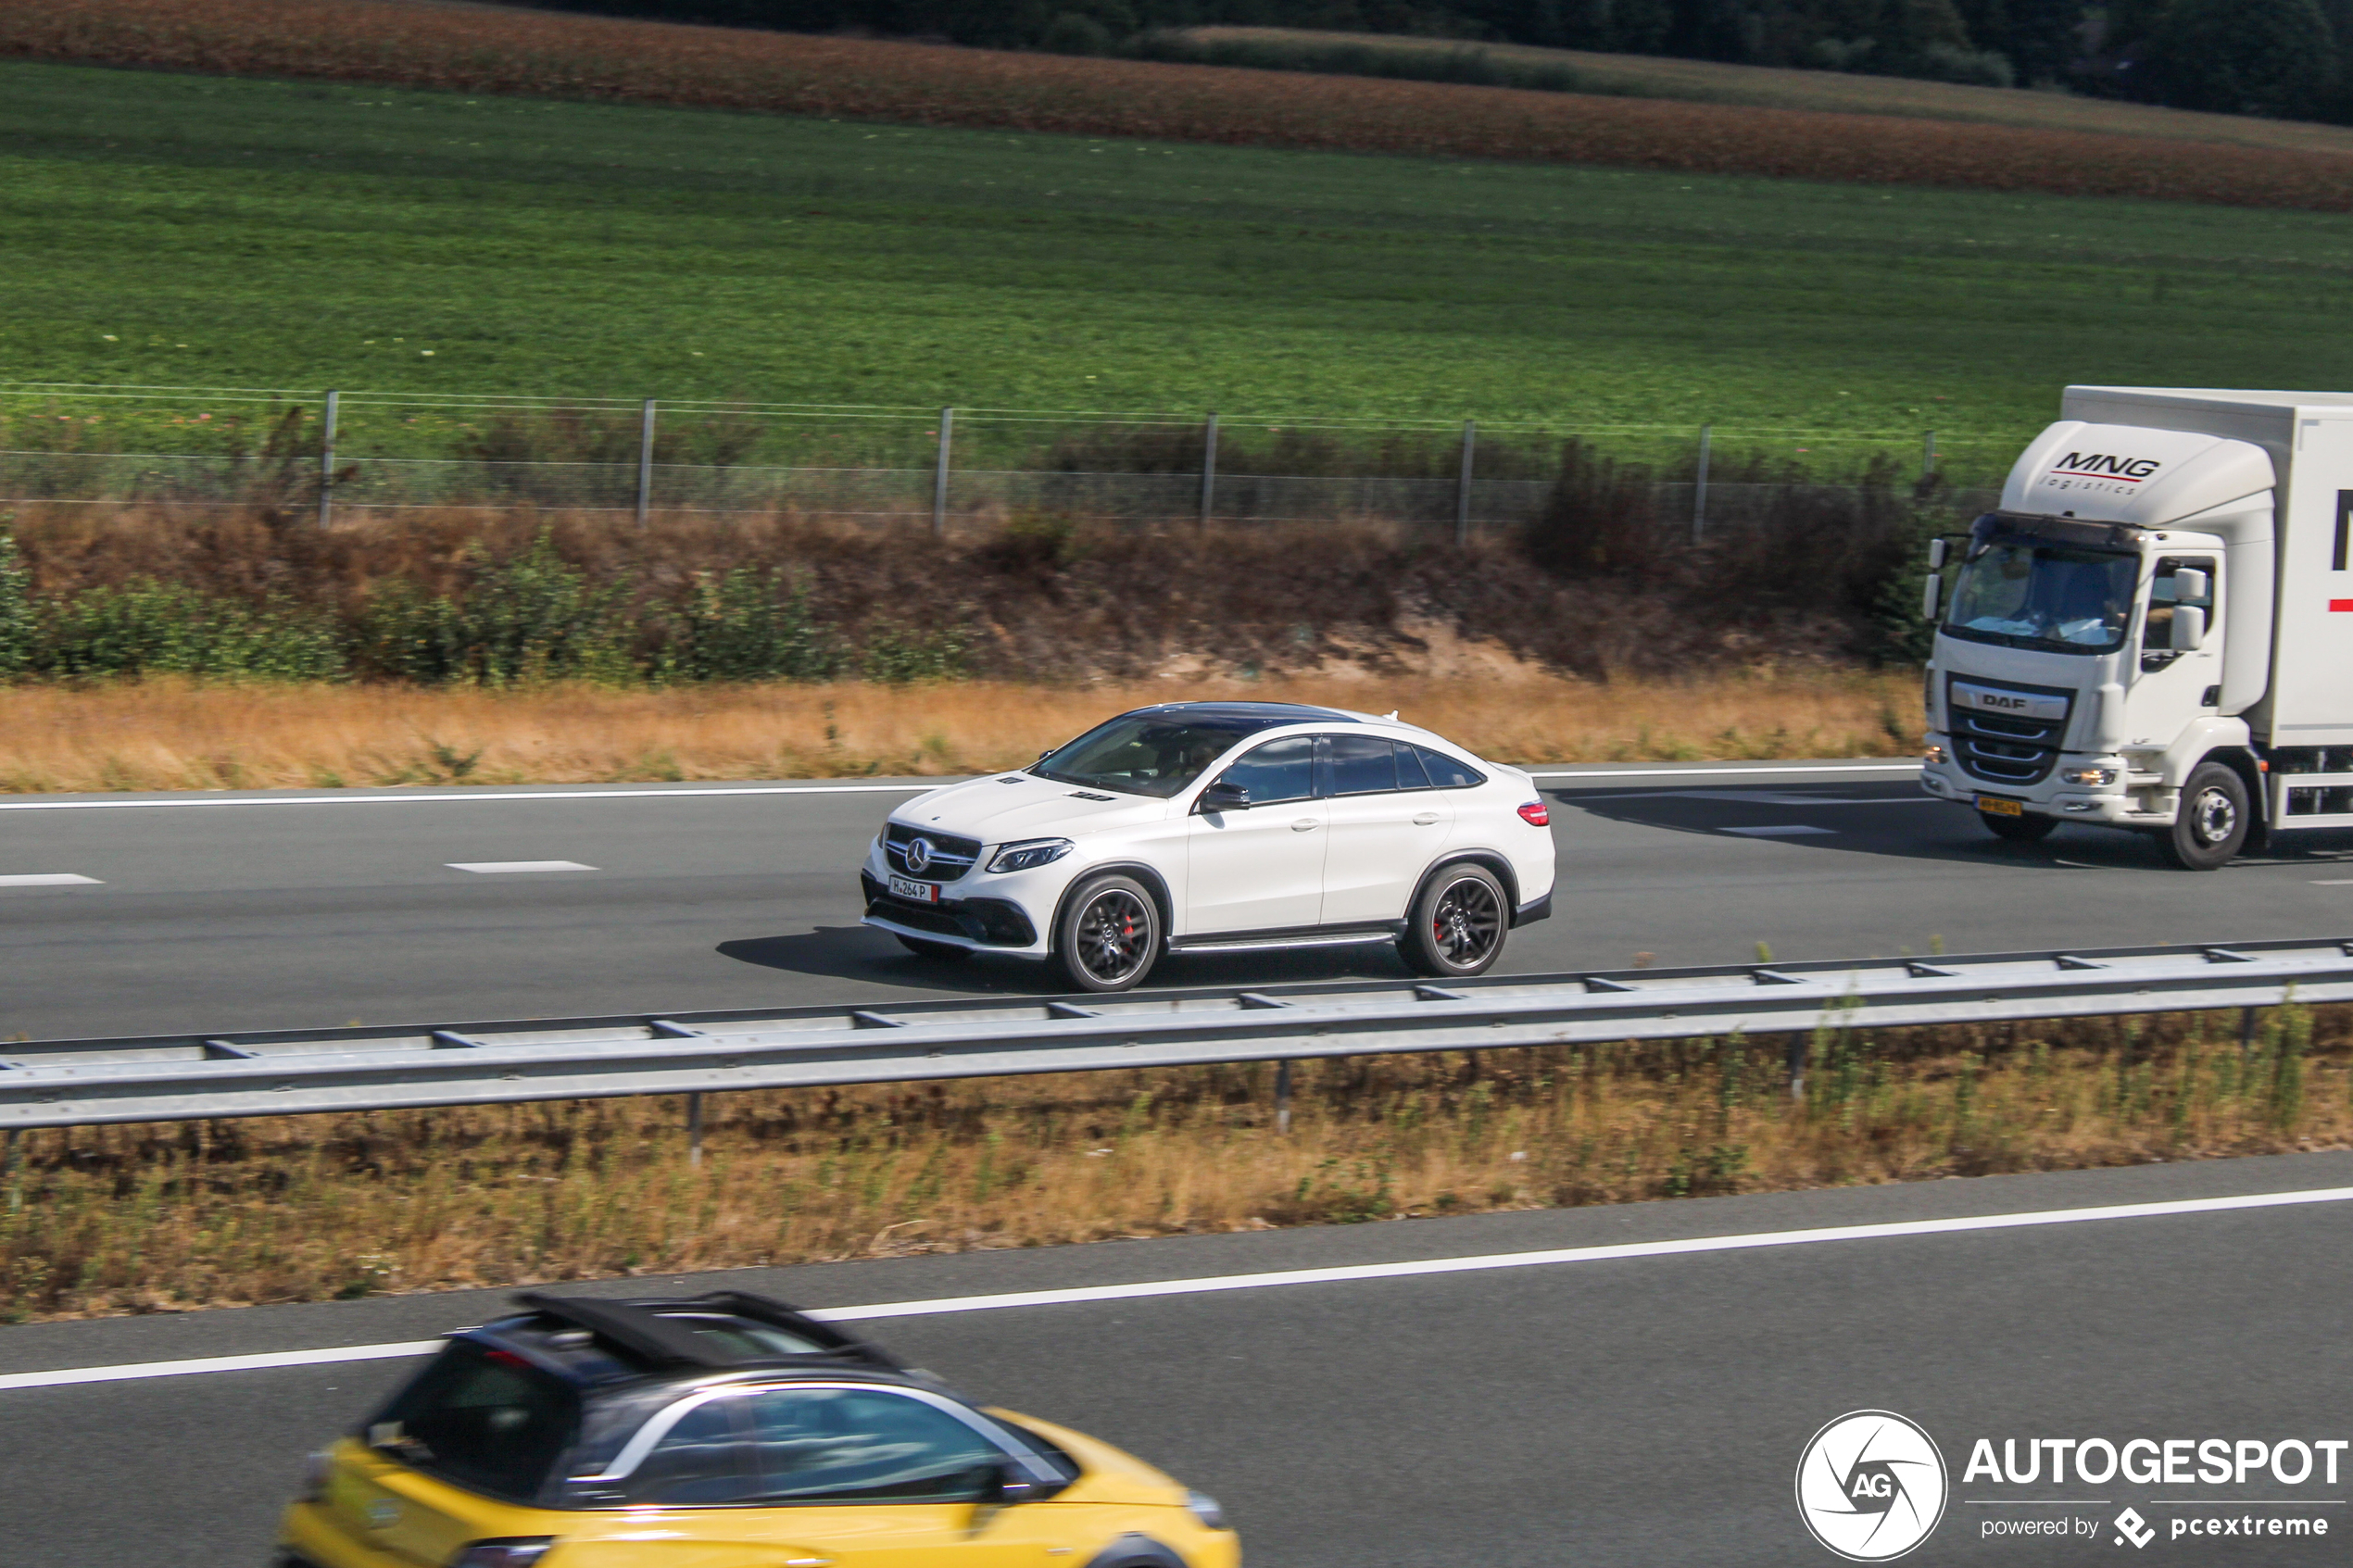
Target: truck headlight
(2087, 775)
(1028, 855)
(1933, 754)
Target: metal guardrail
(163, 1078)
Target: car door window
(1411, 774)
(1281, 770)
(864, 1445)
(699, 1461)
(1444, 772)
(1360, 765)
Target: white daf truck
(2156, 630)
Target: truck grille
(2006, 748)
(945, 858)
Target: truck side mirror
(2190, 585)
(2189, 629)
(1931, 595)
(1936, 555)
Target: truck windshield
(2026, 594)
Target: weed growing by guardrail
(130, 1219)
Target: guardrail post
(1928, 456)
(1462, 484)
(1208, 466)
(646, 463)
(1699, 488)
(939, 475)
(1797, 1048)
(1282, 1097)
(693, 1129)
(327, 459)
(8, 1169)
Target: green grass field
(186, 231)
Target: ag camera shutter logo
(1871, 1485)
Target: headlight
(1203, 1507)
(2087, 775)
(1028, 855)
(1934, 754)
(315, 1471)
(508, 1551)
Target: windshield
(1146, 754)
(2029, 595)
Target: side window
(864, 1445)
(1410, 773)
(699, 1461)
(1281, 770)
(1444, 772)
(1362, 764)
(2166, 596)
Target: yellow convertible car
(725, 1430)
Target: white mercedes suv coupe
(1220, 827)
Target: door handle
(1304, 824)
(1422, 818)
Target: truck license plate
(918, 892)
(1995, 805)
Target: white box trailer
(2155, 630)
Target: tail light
(1536, 814)
(507, 1552)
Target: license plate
(916, 892)
(1995, 805)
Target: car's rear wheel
(1458, 924)
(2017, 830)
(939, 952)
(1109, 936)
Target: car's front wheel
(1109, 936)
(1457, 925)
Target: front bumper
(2132, 801)
(975, 922)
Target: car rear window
(482, 1418)
(1445, 772)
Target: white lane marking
(424, 798)
(1756, 797)
(48, 879)
(1785, 829)
(1706, 772)
(499, 867)
(2336, 881)
(1343, 1274)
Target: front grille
(999, 923)
(2005, 749)
(947, 858)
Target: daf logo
(1991, 700)
(918, 855)
(383, 1514)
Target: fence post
(1282, 1096)
(1208, 466)
(1928, 456)
(327, 461)
(939, 475)
(1698, 489)
(1462, 484)
(693, 1129)
(646, 463)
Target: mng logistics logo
(1871, 1485)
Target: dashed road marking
(500, 867)
(1783, 830)
(49, 879)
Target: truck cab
(2142, 635)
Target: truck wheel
(1109, 936)
(2211, 824)
(2018, 830)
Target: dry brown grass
(482, 49)
(176, 735)
(1715, 82)
(132, 1219)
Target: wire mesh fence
(354, 454)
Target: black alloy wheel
(2017, 830)
(1457, 925)
(1110, 935)
(939, 952)
(2212, 822)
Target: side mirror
(2191, 586)
(1936, 555)
(2189, 629)
(1931, 596)
(1004, 1484)
(1224, 797)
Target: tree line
(2281, 58)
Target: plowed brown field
(492, 50)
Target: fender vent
(1086, 794)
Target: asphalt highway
(223, 911)
(1620, 1411)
